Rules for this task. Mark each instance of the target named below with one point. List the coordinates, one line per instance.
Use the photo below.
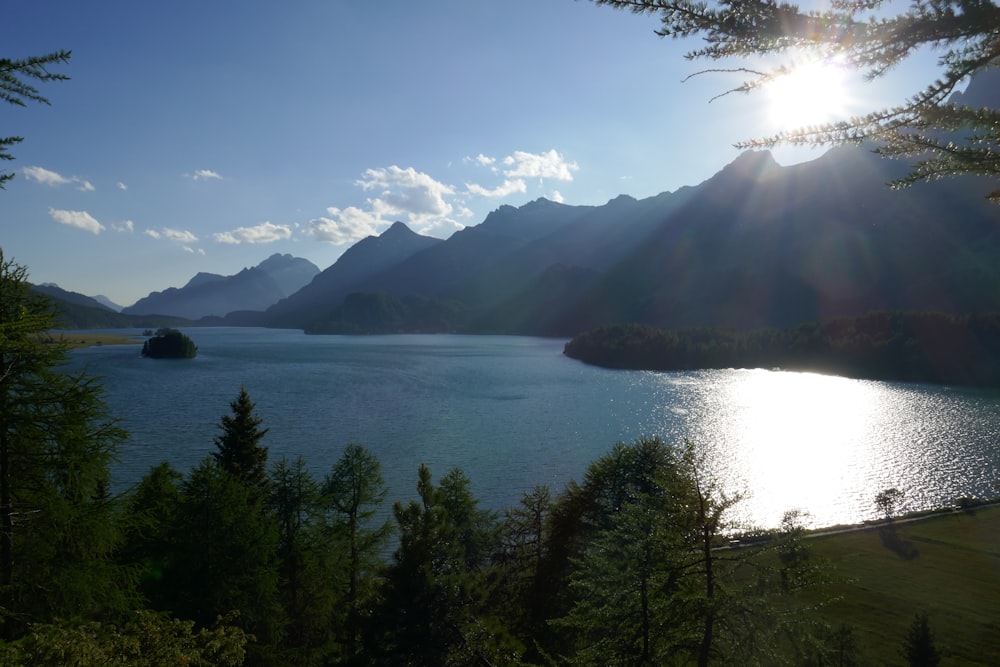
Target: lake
(513, 412)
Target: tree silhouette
(239, 450)
(918, 647)
(872, 36)
(888, 502)
(16, 88)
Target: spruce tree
(918, 647)
(239, 450)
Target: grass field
(75, 340)
(947, 566)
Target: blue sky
(208, 135)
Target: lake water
(513, 412)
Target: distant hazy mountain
(76, 311)
(56, 292)
(208, 294)
(105, 301)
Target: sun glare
(811, 94)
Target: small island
(169, 344)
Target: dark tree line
(899, 346)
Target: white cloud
(509, 187)
(194, 251)
(124, 226)
(440, 228)
(205, 175)
(343, 226)
(482, 160)
(121, 186)
(539, 165)
(557, 197)
(406, 192)
(79, 219)
(178, 235)
(265, 232)
(45, 177)
(55, 179)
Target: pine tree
(918, 647)
(949, 139)
(57, 441)
(239, 450)
(16, 88)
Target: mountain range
(208, 294)
(756, 245)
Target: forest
(893, 346)
(243, 560)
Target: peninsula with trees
(893, 346)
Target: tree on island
(239, 451)
(15, 88)
(872, 36)
(169, 344)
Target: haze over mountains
(755, 245)
(207, 294)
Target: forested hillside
(912, 347)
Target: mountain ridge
(208, 294)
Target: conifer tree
(306, 566)
(436, 609)
(223, 558)
(918, 647)
(239, 450)
(17, 88)
(872, 36)
(56, 443)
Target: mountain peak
(397, 229)
(541, 202)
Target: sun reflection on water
(822, 444)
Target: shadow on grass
(895, 543)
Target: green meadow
(944, 565)
(86, 339)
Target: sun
(811, 94)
